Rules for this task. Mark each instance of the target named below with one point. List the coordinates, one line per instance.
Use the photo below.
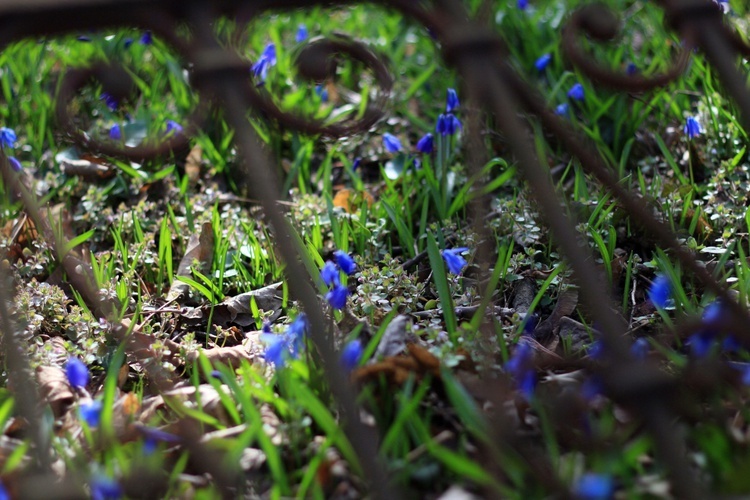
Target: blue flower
(337, 296)
(91, 413)
(391, 142)
(425, 144)
(330, 274)
(265, 61)
(128, 42)
(522, 4)
(115, 133)
(448, 124)
(322, 92)
(277, 351)
(521, 367)
(7, 137)
(301, 35)
(173, 126)
(77, 373)
(345, 262)
(109, 100)
(640, 348)
(351, 355)
(453, 259)
(298, 327)
(146, 38)
(543, 62)
(105, 488)
(576, 92)
(631, 69)
(660, 291)
(594, 487)
(451, 101)
(562, 109)
(4, 495)
(15, 164)
(153, 436)
(692, 127)
(357, 162)
(700, 343)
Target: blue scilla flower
(345, 262)
(426, 144)
(146, 38)
(115, 132)
(351, 355)
(322, 91)
(266, 60)
(330, 274)
(576, 92)
(173, 127)
(543, 61)
(453, 259)
(631, 69)
(7, 137)
(91, 413)
(521, 367)
(451, 101)
(277, 351)
(105, 488)
(448, 124)
(153, 436)
(4, 495)
(337, 295)
(660, 291)
(77, 373)
(301, 34)
(523, 4)
(391, 142)
(562, 109)
(127, 42)
(640, 348)
(109, 100)
(692, 127)
(594, 487)
(15, 164)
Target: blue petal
(345, 262)
(391, 142)
(330, 274)
(594, 487)
(351, 355)
(77, 373)
(576, 92)
(91, 413)
(451, 101)
(105, 488)
(660, 291)
(337, 296)
(543, 62)
(425, 144)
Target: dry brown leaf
(54, 388)
(230, 356)
(352, 201)
(88, 170)
(200, 248)
(193, 164)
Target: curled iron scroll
(317, 61)
(599, 23)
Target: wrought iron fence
(478, 54)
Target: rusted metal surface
(220, 76)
